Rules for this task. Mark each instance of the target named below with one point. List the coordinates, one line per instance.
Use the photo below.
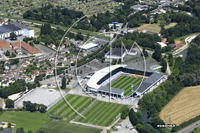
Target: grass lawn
(154, 27)
(27, 120)
(77, 102)
(124, 82)
(101, 113)
(131, 58)
(63, 127)
(170, 25)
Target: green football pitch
(124, 83)
(63, 127)
(101, 113)
(29, 121)
(77, 102)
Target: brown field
(183, 107)
(153, 27)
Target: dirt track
(183, 107)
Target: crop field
(63, 127)
(183, 107)
(27, 120)
(124, 82)
(62, 108)
(101, 113)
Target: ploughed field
(183, 107)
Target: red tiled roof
(26, 46)
(4, 44)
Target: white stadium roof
(88, 46)
(100, 74)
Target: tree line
(147, 119)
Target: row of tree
(32, 107)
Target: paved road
(168, 69)
(125, 128)
(18, 68)
(190, 128)
(187, 42)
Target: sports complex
(125, 80)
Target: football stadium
(123, 78)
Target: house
(52, 46)
(62, 47)
(103, 30)
(7, 65)
(67, 44)
(65, 51)
(84, 54)
(144, 14)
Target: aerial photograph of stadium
(102, 66)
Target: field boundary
(85, 109)
(56, 102)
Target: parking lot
(44, 50)
(126, 127)
(41, 96)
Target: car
(197, 124)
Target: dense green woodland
(184, 74)
(185, 25)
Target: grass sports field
(183, 107)
(101, 113)
(27, 120)
(63, 127)
(77, 102)
(124, 82)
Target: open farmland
(63, 127)
(183, 107)
(101, 113)
(27, 120)
(77, 102)
(124, 82)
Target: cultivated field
(183, 107)
(101, 113)
(27, 120)
(63, 127)
(124, 82)
(77, 102)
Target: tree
(164, 66)
(132, 117)
(9, 125)
(7, 53)
(125, 113)
(9, 103)
(13, 36)
(157, 55)
(63, 83)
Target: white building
(18, 29)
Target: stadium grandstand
(17, 28)
(99, 81)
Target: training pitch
(63, 127)
(124, 83)
(27, 120)
(77, 102)
(101, 113)
(183, 107)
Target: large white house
(17, 28)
